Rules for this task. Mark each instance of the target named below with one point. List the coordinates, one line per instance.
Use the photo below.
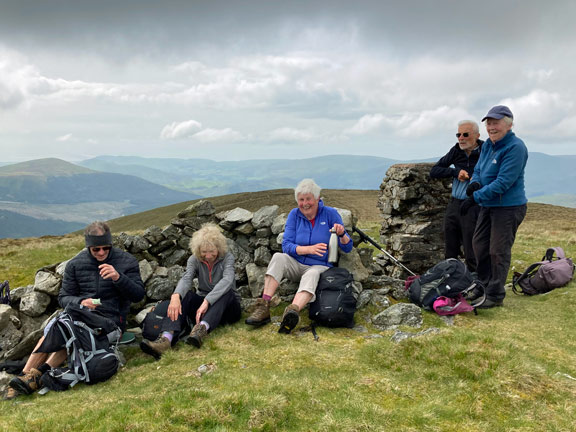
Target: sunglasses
(465, 135)
(104, 248)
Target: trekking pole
(366, 238)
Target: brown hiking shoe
(156, 348)
(261, 313)
(28, 383)
(11, 393)
(290, 319)
(198, 333)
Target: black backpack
(448, 278)
(83, 333)
(336, 299)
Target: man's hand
(473, 187)
(463, 176)
(175, 307)
(201, 311)
(108, 272)
(89, 303)
(466, 204)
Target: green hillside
(16, 225)
(44, 168)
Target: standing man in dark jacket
(498, 186)
(100, 278)
(459, 229)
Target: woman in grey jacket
(215, 301)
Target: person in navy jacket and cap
(498, 186)
(304, 257)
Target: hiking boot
(290, 319)
(489, 304)
(198, 333)
(156, 348)
(261, 313)
(28, 383)
(11, 393)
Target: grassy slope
(507, 369)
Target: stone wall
(413, 207)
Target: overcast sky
(232, 80)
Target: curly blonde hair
(208, 236)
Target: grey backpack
(545, 275)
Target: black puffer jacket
(82, 280)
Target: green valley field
(505, 369)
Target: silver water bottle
(333, 247)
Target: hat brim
(494, 116)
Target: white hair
(307, 186)
(474, 125)
(508, 120)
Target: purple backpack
(544, 276)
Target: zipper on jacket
(210, 268)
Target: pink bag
(451, 306)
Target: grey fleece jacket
(213, 282)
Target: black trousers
(458, 232)
(226, 310)
(493, 240)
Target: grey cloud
(188, 28)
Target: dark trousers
(458, 232)
(225, 310)
(493, 239)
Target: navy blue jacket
(82, 280)
(461, 161)
(500, 172)
(299, 232)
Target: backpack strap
(550, 253)
(476, 285)
(527, 273)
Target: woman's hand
(315, 249)
(175, 307)
(340, 232)
(201, 311)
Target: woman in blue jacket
(304, 257)
(498, 186)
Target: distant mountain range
(108, 187)
(551, 177)
(210, 178)
(52, 191)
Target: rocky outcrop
(413, 207)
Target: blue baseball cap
(499, 111)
